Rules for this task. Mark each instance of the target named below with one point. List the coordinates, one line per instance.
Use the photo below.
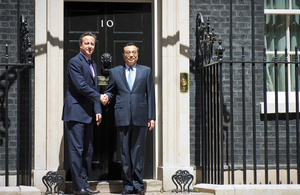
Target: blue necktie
(130, 82)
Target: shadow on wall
(54, 41)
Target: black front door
(114, 24)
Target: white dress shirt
(133, 72)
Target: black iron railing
(245, 126)
(20, 73)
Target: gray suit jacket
(137, 105)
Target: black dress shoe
(127, 192)
(82, 191)
(139, 191)
(92, 191)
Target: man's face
(88, 45)
(130, 55)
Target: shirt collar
(127, 67)
(87, 59)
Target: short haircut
(130, 44)
(86, 34)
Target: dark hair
(130, 44)
(86, 34)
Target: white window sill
(281, 103)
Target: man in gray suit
(132, 87)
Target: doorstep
(115, 186)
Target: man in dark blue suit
(82, 108)
(132, 87)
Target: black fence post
(265, 117)
(6, 118)
(287, 114)
(297, 113)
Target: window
(282, 30)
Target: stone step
(156, 193)
(246, 189)
(19, 190)
(115, 186)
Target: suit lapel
(137, 76)
(123, 77)
(87, 66)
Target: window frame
(282, 94)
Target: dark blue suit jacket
(138, 104)
(82, 99)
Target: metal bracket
(182, 178)
(53, 178)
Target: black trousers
(132, 148)
(80, 142)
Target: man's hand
(151, 123)
(98, 119)
(104, 99)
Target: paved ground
(153, 193)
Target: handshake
(104, 99)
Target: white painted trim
(157, 80)
(110, 1)
(281, 103)
(282, 11)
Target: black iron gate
(16, 139)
